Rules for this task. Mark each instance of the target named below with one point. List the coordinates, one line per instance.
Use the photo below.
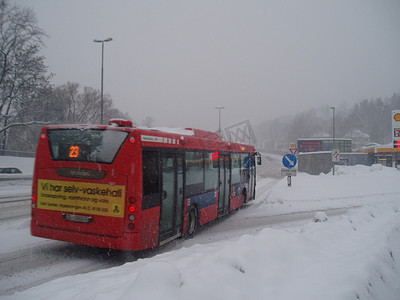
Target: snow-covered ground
(355, 255)
(17, 187)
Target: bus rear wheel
(244, 197)
(191, 223)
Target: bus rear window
(87, 145)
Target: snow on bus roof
(186, 131)
(176, 130)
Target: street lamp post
(219, 119)
(102, 74)
(333, 137)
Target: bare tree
(23, 74)
(76, 106)
(148, 122)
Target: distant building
(324, 144)
(383, 154)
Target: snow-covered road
(15, 207)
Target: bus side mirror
(259, 160)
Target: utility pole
(219, 119)
(333, 135)
(102, 72)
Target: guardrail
(17, 153)
(8, 177)
(6, 199)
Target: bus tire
(192, 223)
(244, 196)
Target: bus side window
(235, 157)
(151, 179)
(245, 167)
(211, 169)
(194, 173)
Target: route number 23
(74, 151)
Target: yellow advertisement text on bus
(81, 197)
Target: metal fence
(17, 153)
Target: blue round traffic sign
(289, 160)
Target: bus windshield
(86, 145)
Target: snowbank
(350, 187)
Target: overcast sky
(177, 60)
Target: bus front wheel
(191, 223)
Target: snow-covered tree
(148, 121)
(23, 74)
(71, 104)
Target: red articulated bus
(127, 188)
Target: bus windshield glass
(87, 145)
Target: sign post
(289, 161)
(335, 156)
(396, 135)
(293, 148)
(335, 159)
(396, 128)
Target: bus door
(224, 184)
(250, 165)
(171, 196)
